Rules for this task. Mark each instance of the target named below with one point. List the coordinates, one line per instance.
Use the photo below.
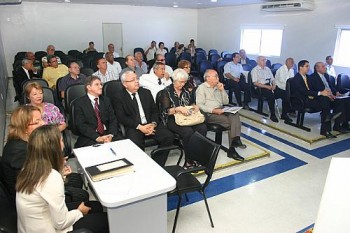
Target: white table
(333, 214)
(135, 202)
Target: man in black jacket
(22, 74)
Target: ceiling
(193, 4)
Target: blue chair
(170, 60)
(276, 66)
(247, 67)
(200, 50)
(185, 56)
(223, 53)
(343, 83)
(252, 63)
(203, 66)
(199, 57)
(268, 63)
(213, 58)
(211, 52)
(220, 69)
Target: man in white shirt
(150, 51)
(111, 49)
(284, 73)
(262, 78)
(330, 67)
(168, 70)
(112, 65)
(233, 71)
(155, 81)
(140, 63)
(103, 73)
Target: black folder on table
(110, 169)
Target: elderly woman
(190, 84)
(173, 99)
(51, 115)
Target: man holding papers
(211, 96)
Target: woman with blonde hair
(51, 114)
(40, 190)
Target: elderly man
(155, 81)
(73, 77)
(330, 67)
(112, 65)
(137, 111)
(284, 73)
(22, 74)
(168, 70)
(211, 96)
(243, 57)
(139, 62)
(262, 78)
(112, 50)
(94, 115)
(36, 63)
(233, 71)
(50, 51)
(103, 73)
(131, 66)
(54, 71)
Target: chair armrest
(155, 152)
(190, 170)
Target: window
(263, 41)
(342, 47)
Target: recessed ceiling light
(67, 1)
(175, 5)
(213, 0)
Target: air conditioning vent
(301, 5)
(10, 2)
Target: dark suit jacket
(126, 112)
(331, 83)
(299, 89)
(86, 121)
(316, 82)
(20, 77)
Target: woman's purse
(194, 118)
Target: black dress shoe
(274, 118)
(286, 118)
(232, 153)
(246, 107)
(238, 143)
(328, 135)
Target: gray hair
(206, 73)
(25, 61)
(123, 77)
(179, 74)
(157, 64)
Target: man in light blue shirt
(233, 72)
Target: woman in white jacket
(40, 190)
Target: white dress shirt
(282, 75)
(142, 113)
(150, 82)
(115, 68)
(331, 71)
(262, 75)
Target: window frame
(337, 46)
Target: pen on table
(113, 152)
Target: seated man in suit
(262, 78)
(155, 81)
(137, 111)
(211, 96)
(54, 71)
(94, 116)
(301, 87)
(320, 83)
(168, 70)
(236, 81)
(73, 77)
(22, 74)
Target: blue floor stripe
(321, 152)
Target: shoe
(286, 118)
(246, 107)
(238, 143)
(341, 129)
(232, 153)
(274, 118)
(292, 114)
(328, 135)
(333, 116)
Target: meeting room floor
(273, 194)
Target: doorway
(113, 33)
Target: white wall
(308, 35)
(32, 26)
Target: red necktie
(100, 129)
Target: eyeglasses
(132, 80)
(161, 60)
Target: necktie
(100, 129)
(306, 84)
(159, 81)
(136, 106)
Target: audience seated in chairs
(173, 99)
(40, 198)
(330, 67)
(54, 71)
(140, 63)
(263, 79)
(36, 64)
(131, 66)
(90, 48)
(339, 105)
(236, 81)
(112, 65)
(73, 77)
(243, 57)
(94, 117)
(103, 72)
(302, 90)
(51, 114)
(111, 49)
(137, 111)
(168, 70)
(161, 50)
(50, 51)
(151, 51)
(211, 96)
(191, 84)
(22, 74)
(155, 81)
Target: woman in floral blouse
(50, 114)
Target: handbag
(194, 118)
